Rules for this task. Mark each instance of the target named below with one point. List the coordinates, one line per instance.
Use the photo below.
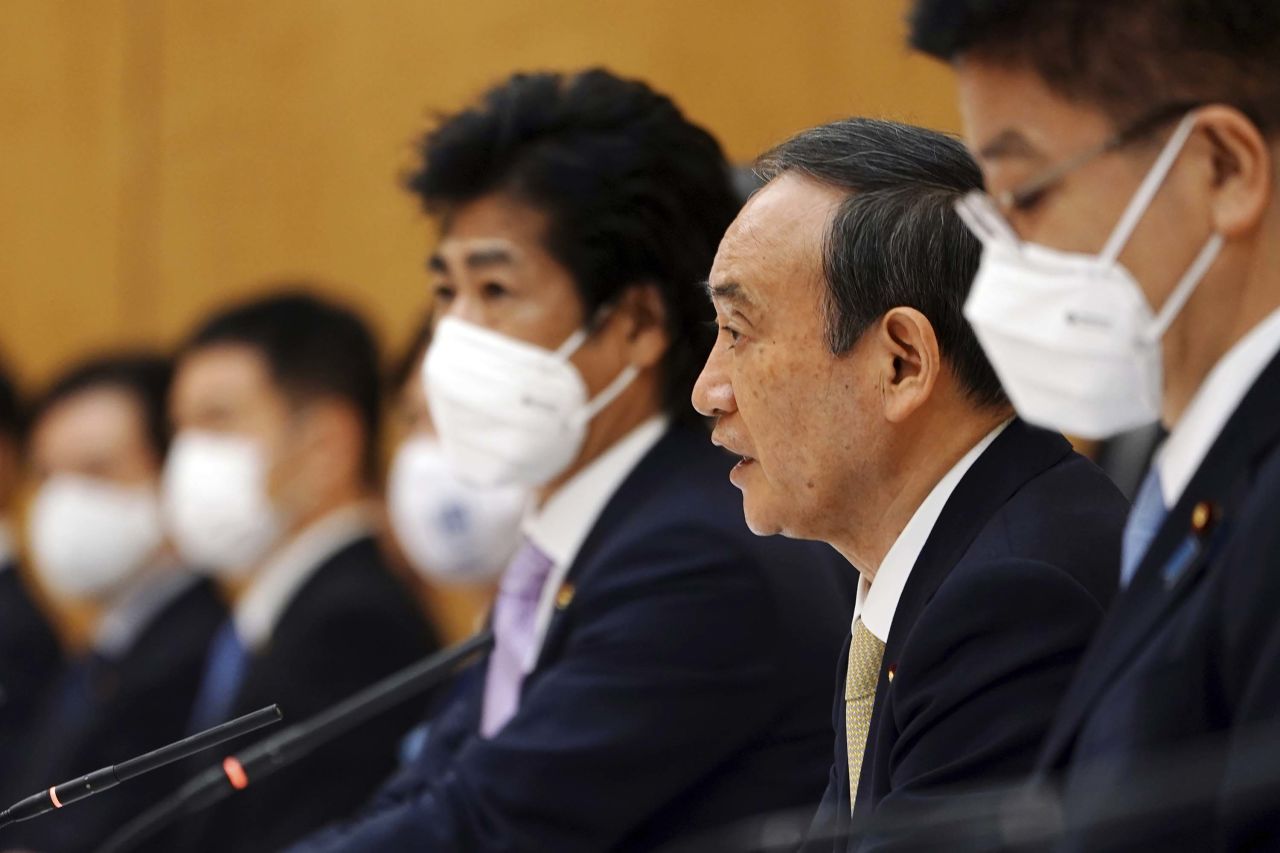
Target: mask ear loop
(1147, 190)
(1185, 287)
(620, 382)
(980, 216)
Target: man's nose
(713, 392)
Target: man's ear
(642, 316)
(911, 361)
(1241, 171)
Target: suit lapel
(1183, 549)
(649, 474)
(1019, 454)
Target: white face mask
(450, 530)
(509, 412)
(89, 536)
(216, 504)
(1071, 335)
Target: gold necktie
(865, 655)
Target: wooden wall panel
(163, 156)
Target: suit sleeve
(979, 680)
(667, 672)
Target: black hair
(144, 376)
(12, 410)
(1125, 57)
(634, 192)
(313, 349)
(896, 240)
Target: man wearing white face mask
(97, 443)
(656, 670)
(267, 488)
(1131, 272)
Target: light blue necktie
(225, 666)
(1144, 522)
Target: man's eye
(731, 332)
(444, 293)
(1024, 201)
(493, 290)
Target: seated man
(29, 654)
(657, 671)
(98, 441)
(277, 406)
(985, 547)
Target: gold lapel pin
(1202, 517)
(564, 596)
(893, 670)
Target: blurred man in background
(29, 654)
(657, 671)
(984, 547)
(97, 446)
(1132, 272)
(276, 403)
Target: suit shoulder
(1068, 519)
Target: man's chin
(758, 522)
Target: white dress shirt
(1212, 406)
(260, 608)
(876, 602)
(560, 526)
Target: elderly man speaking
(866, 416)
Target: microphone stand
(260, 760)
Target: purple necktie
(515, 615)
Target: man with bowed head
(657, 671)
(865, 415)
(1132, 272)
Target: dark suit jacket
(29, 660)
(1189, 659)
(1002, 601)
(682, 685)
(349, 625)
(132, 705)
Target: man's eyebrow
(729, 291)
(478, 258)
(1009, 143)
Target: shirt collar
(260, 608)
(1213, 404)
(137, 606)
(876, 602)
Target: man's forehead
(782, 227)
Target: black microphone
(256, 762)
(108, 777)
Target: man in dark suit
(97, 443)
(985, 547)
(29, 654)
(1147, 131)
(267, 488)
(657, 672)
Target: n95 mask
(1071, 335)
(509, 412)
(450, 530)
